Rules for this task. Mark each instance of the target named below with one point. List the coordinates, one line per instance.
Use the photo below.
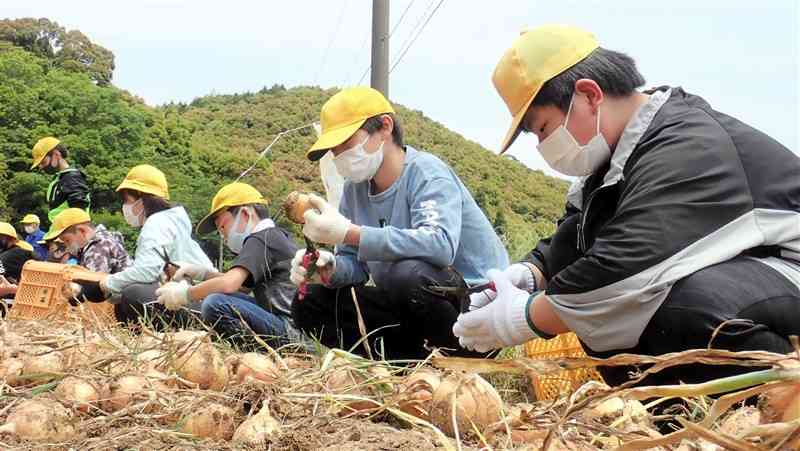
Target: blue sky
(741, 56)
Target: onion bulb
(258, 428)
(468, 398)
(252, 367)
(40, 419)
(203, 365)
(416, 393)
(11, 371)
(79, 393)
(295, 206)
(781, 404)
(128, 389)
(213, 421)
(43, 368)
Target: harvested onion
(295, 206)
(203, 365)
(131, 388)
(213, 421)
(258, 428)
(416, 393)
(40, 419)
(43, 368)
(475, 402)
(79, 393)
(11, 371)
(781, 404)
(252, 367)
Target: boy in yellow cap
(262, 265)
(33, 235)
(68, 188)
(406, 221)
(681, 231)
(13, 253)
(96, 248)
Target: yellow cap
(343, 114)
(8, 230)
(146, 179)
(42, 148)
(536, 56)
(66, 219)
(232, 195)
(30, 219)
(24, 245)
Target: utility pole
(379, 74)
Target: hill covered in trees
(56, 82)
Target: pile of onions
(128, 389)
(257, 429)
(213, 421)
(40, 419)
(79, 393)
(252, 367)
(468, 399)
(416, 393)
(203, 365)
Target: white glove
(191, 270)
(326, 261)
(521, 276)
(503, 322)
(324, 224)
(174, 295)
(480, 299)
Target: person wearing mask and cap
(57, 252)
(166, 231)
(262, 265)
(13, 253)
(405, 220)
(68, 188)
(96, 248)
(680, 230)
(34, 236)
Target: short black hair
(374, 124)
(261, 210)
(62, 149)
(614, 72)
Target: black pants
(136, 304)
(765, 304)
(402, 321)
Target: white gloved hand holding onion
(502, 322)
(190, 270)
(323, 223)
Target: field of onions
(65, 386)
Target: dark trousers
(136, 305)
(764, 304)
(402, 321)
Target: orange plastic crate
(555, 385)
(39, 295)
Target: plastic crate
(555, 385)
(39, 295)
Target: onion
(213, 421)
(40, 419)
(79, 393)
(258, 428)
(252, 367)
(295, 206)
(184, 336)
(11, 371)
(416, 393)
(297, 363)
(475, 402)
(781, 404)
(150, 358)
(43, 368)
(203, 365)
(131, 388)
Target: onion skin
(257, 429)
(475, 401)
(252, 367)
(781, 404)
(203, 365)
(41, 420)
(129, 389)
(416, 393)
(79, 393)
(213, 421)
(295, 207)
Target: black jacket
(687, 187)
(11, 262)
(71, 187)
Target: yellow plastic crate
(39, 295)
(555, 385)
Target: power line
(396, 24)
(400, 58)
(331, 40)
(416, 26)
(266, 150)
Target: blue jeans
(225, 313)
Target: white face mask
(29, 229)
(235, 240)
(132, 218)
(563, 153)
(357, 165)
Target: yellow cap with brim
(232, 195)
(536, 56)
(146, 179)
(65, 220)
(42, 148)
(343, 114)
(30, 219)
(8, 230)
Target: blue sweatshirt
(39, 249)
(427, 214)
